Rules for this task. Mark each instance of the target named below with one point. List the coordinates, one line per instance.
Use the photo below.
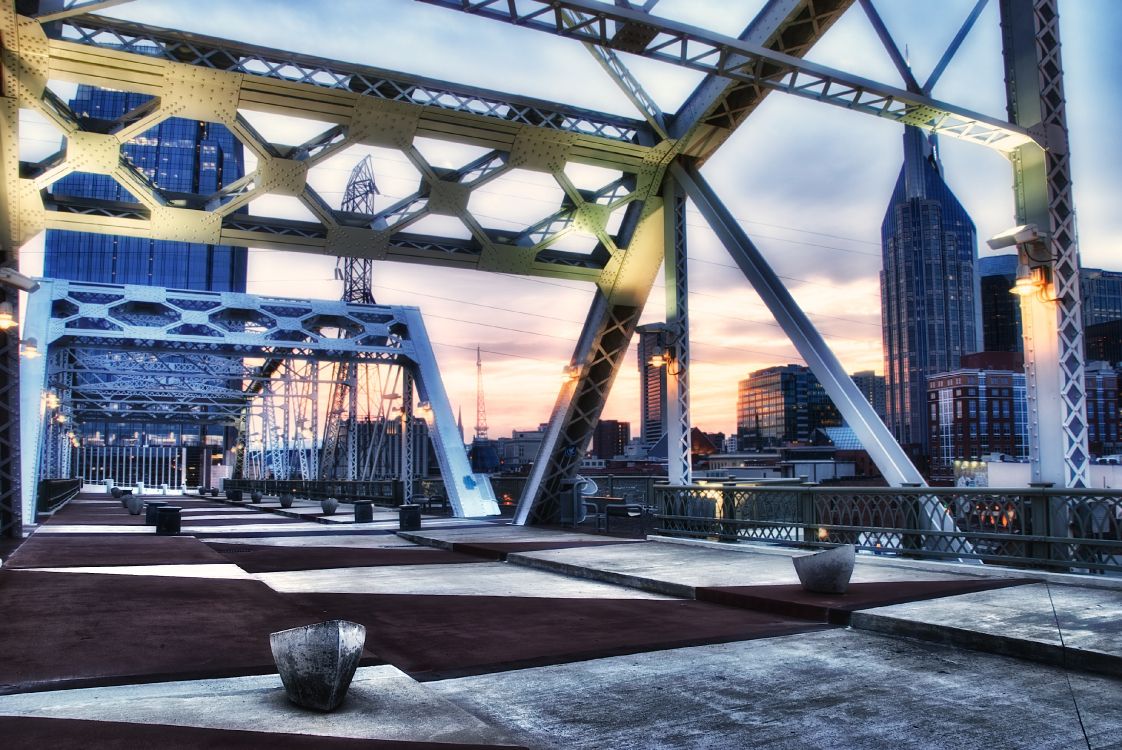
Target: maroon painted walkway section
(434, 637)
(76, 734)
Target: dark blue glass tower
(181, 157)
(928, 289)
(178, 156)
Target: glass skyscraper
(183, 158)
(652, 384)
(928, 289)
(178, 156)
(781, 405)
(1001, 310)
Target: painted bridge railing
(1054, 528)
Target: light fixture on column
(7, 316)
(29, 348)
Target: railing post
(1040, 519)
(912, 505)
(726, 532)
(807, 515)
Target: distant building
(484, 456)
(976, 410)
(1101, 295)
(871, 386)
(1102, 409)
(982, 408)
(781, 405)
(520, 449)
(610, 438)
(652, 383)
(1001, 310)
(1103, 342)
(928, 289)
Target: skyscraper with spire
(928, 288)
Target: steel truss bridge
(147, 354)
(637, 219)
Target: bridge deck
(488, 635)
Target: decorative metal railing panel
(1037, 527)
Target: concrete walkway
(486, 635)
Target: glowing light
(1027, 283)
(7, 316)
(29, 348)
(823, 535)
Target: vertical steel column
(406, 433)
(676, 417)
(621, 293)
(11, 467)
(1052, 321)
(352, 421)
(10, 495)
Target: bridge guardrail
(1052, 528)
(53, 494)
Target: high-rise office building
(179, 157)
(183, 158)
(780, 405)
(610, 438)
(652, 383)
(871, 386)
(928, 288)
(1001, 310)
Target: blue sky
(809, 182)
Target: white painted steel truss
(218, 80)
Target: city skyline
(817, 222)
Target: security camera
(12, 277)
(1022, 235)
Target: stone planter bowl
(135, 504)
(286, 499)
(826, 572)
(329, 506)
(317, 662)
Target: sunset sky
(809, 182)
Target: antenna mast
(480, 404)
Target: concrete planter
(255, 497)
(826, 572)
(286, 499)
(135, 504)
(329, 506)
(316, 662)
